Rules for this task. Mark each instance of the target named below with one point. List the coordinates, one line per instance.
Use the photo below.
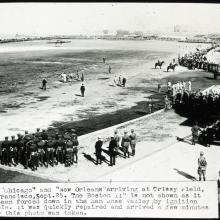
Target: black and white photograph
(110, 92)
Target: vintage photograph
(109, 92)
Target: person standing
(166, 103)
(109, 69)
(189, 86)
(117, 138)
(150, 107)
(82, 89)
(98, 151)
(124, 81)
(120, 80)
(13, 151)
(112, 150)
(103, 59)
(159, 87)
(133, 138)
(202, 164)
(50, 151)
(115, 80)
(20, 147)
(75, 148)
(41, 151)
(195, 133)
(44, 84)
(33, 162)
(5, 151)
(82, 77)
(60, 149)
(69, 152)
(125, 142)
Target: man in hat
(124, 81)
(69, 151)
(20, 147)
(26, 151)
(41, 151)
(109, 69)
(13, 150)
(38, 133)
(75, 148)
(33, 161)
(98, 150)
(60, 148)
(82, 89)
(26, 135)
(50, 151)
(159, 87)
(117, 138)
(112, 150)
(133, 138)
(202, 164)
(37, 136)
(195, 133)
(5, 151)
(44, 84)
(125, 142)
(44, 135)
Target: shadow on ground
(186, 175)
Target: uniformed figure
(159, 87)
(124, 81)
(104, 59)
(166, 103)
(202, 164)
(112, 150)
(82, 89)
(150, 108)
(60, 149)
(20, 147)
(13, 151)
(44, 84)
(50, 151)
(109, 69)
(195, 133)
(133, 138)
(38, 133)
(125, 142)
(33, 160)
(44, 135)
(75, 148)
(117, 138)
(98, 150)
(69, 152)
(82, 77)
(41, 151)
(5, 151)
(26, 151)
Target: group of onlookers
(44, 148)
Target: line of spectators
(198, 60)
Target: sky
(89, 18)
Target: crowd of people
(179, 87)
(117, 145)
(39, 149)
(120, 80)
(205, 102)
(69, 77)
(43, 148)
(196, 60)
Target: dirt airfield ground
(159, 155)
